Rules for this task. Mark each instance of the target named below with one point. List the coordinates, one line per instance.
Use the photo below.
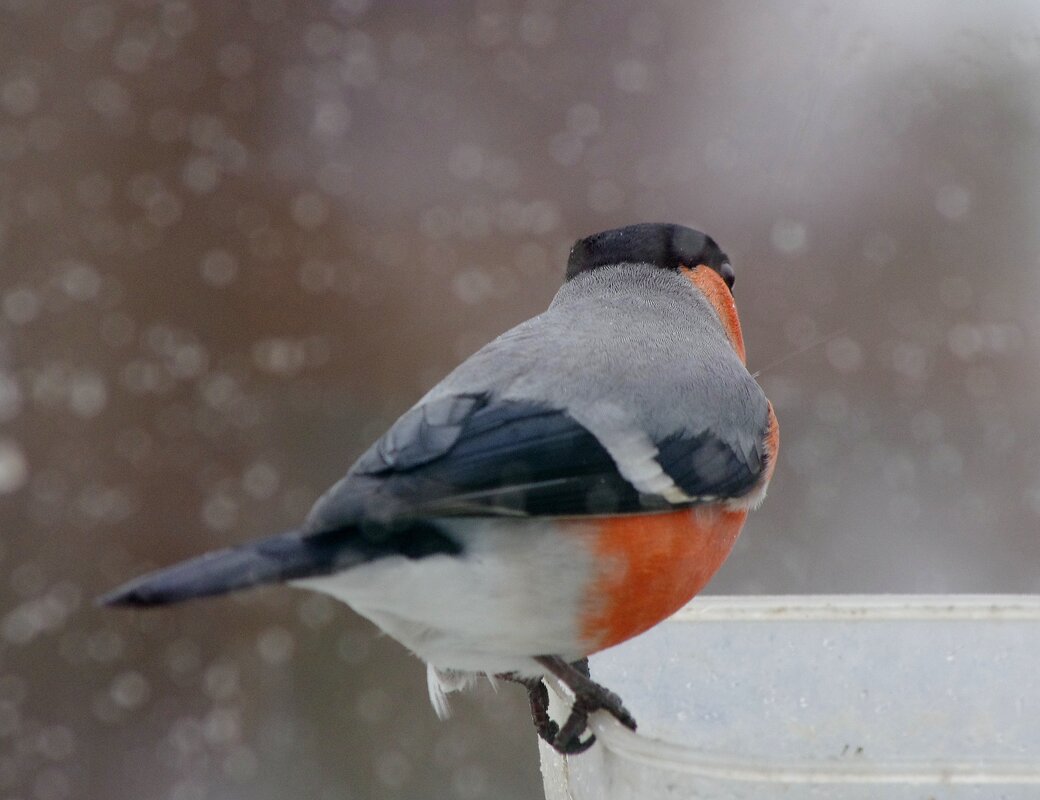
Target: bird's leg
(538, 696)
(589, 696)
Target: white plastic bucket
(836, 697)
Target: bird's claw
(589, 697)
(596, 698)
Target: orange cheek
(711, 285)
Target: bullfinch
(567, 487)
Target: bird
(567, 487)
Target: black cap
(661, 244)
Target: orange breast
(650, 565)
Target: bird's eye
(727, 273)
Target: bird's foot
(589, 697)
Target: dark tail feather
(278, 558)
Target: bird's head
(690, 253)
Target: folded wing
(473, 455)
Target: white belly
(516, 591)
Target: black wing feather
(705, 465)
(503, 457)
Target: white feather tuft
(441, 682)
(438, 693)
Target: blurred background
(238, 239)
